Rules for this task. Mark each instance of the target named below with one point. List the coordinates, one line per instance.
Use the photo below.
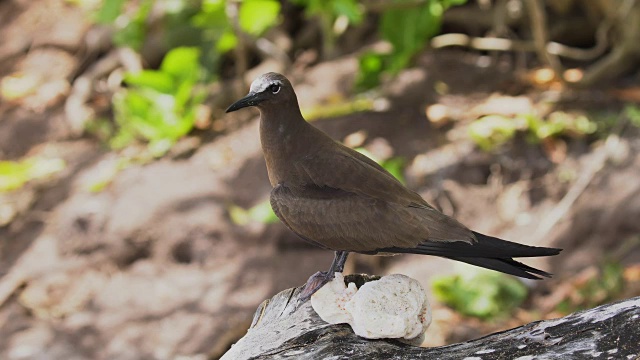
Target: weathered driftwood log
(279, 331)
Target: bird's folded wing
(341, 220)
(353, 172)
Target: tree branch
(279, 331)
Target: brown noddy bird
(336, 198)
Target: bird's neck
(277, 130)
(281, 135)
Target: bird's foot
(315, 282)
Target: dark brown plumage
(339, 199)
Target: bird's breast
(280, 171)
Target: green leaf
(349, 8)
(492, 131)
(371, 67)
(256, 16)
(129, 103)
(399, 61)
(449, 3)
(154, 116)
(135, 30)
(480, 293)
(109, 11)
(583, 125)
(313, 7)
(227, 41)
(261, 213)
(559, 123)
(122, 139)
(160, 105)
(633, 113)
(39, 168)
(14, 175)
(159, 147)
(333, 8)
(132, 35)
(238, 215)
(409, 29)
(152, 79)
(395, 166)
(101, 128)
(339, 108)
(182, 63)
(211, 15)
(183, 96)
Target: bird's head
(268, 90)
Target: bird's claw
(314, 283)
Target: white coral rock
(395, 306)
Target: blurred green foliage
(632, 112)
(559, 123)
(261, 213)
(159, 106)
(15, 174)
(216, 29)
(338, 109)
(480, 293)
(109, 11)
(256, 16)
(332, 9)
(394, 165)
(329, 12)
(408, 30)
(204, 24)
(491, 131)
(131, 29)
(606, 286)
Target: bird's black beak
(252, 99)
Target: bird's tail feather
(507, 266)
(487, 252)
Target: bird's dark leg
(319, 279)
(339, 259)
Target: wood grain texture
(279, 331)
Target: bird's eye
(274, 88)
